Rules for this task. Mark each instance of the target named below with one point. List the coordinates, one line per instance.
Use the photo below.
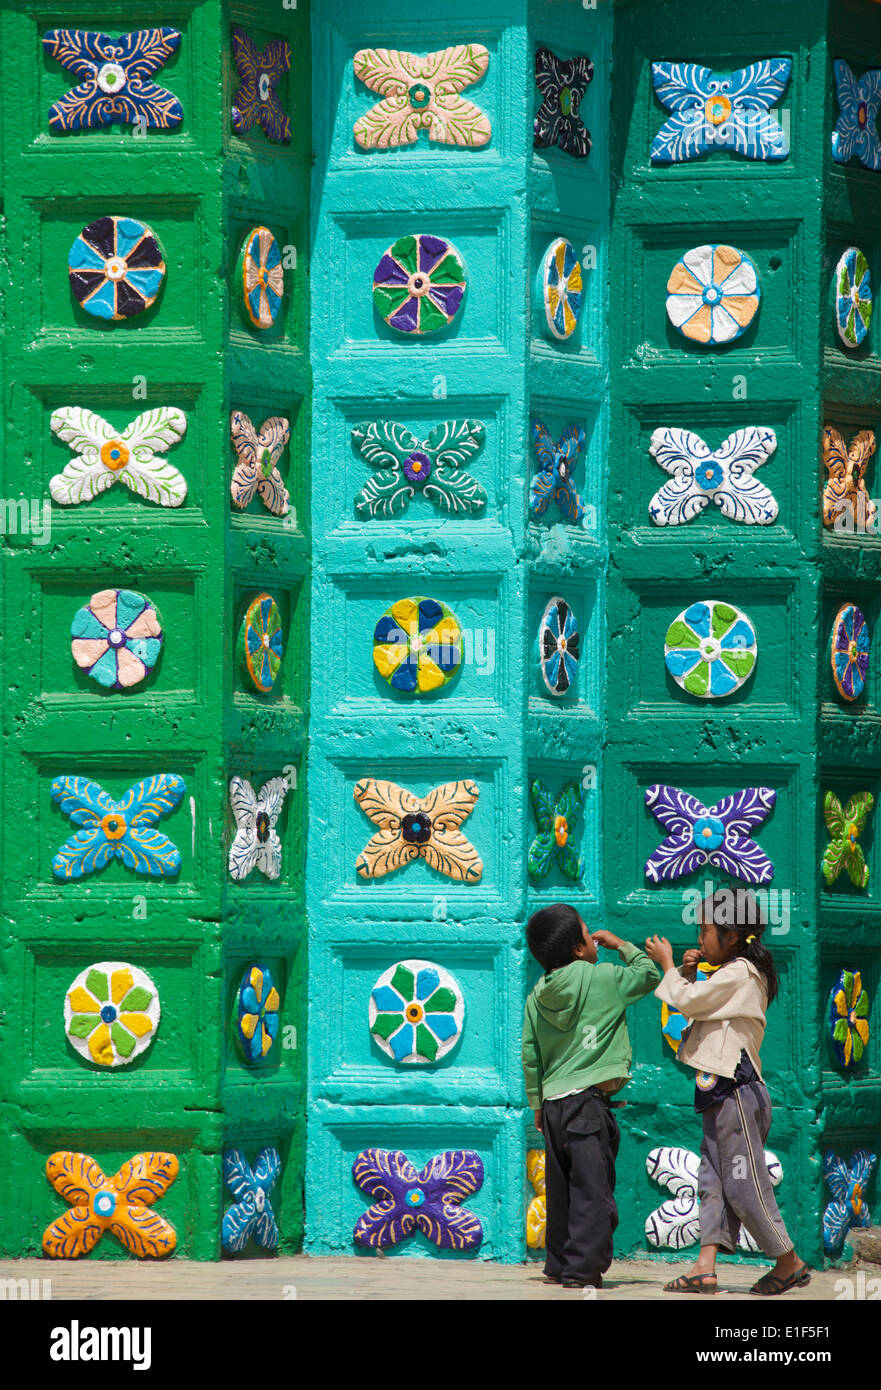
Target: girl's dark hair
(738, 910)
(552, 934)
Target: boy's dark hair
(739, 910)
(552, 934)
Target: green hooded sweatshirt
(574, 1030)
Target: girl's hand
(607, 939)
(690, 962)
(660, 951)
(538, 1120)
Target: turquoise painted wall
(501, 205)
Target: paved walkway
(303, 1277)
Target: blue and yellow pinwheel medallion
(417, 645)
(562, 288)
(674, 1024)
(256, 1018)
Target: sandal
(692, 1283)
(771, 1283)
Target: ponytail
(738, 910)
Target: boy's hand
(690, 962)
(608, 939)
(538, 1120)
(660, 950)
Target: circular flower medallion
(117, 638)
(417, 645)
(416, 828)
(416, 1011)
(849, 1018)
(713, 294)
(417, 467)
(708, 832)
(850, 651)
(257, 1005)
(853, 297)
(419, 284)
(717, 109)
(111, 78)
(116, 268)
(111, 1013)
(260, 278)
(104, 1203)
(558, 645)
(561, 288)
(260, 644)
(710, 649)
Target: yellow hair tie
(749, 939)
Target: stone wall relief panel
(672, 857)
(150, 299)
(390, 106)
(703, 647)
(476, 1064)
(674, 313)
(721, 470)
(390, 644)
(567, 262)
(472, 299)
(102, 832)
(144, 76)
(561, 836)
(111, 453)
(435, 458)
(108, 649)
(479, 870)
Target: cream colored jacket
(728, 1012)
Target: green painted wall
(199, 187)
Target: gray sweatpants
(734, 1185)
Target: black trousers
(581, 1145)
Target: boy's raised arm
(638, 975)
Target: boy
(576, 1055)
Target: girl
(722, 1045)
